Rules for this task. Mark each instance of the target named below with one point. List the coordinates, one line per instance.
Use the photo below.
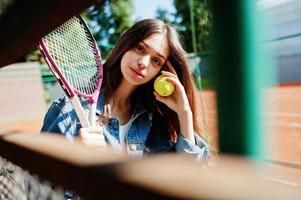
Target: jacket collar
(139, 109)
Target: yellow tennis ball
(163, 87)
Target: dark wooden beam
(24, 22)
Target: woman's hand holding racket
(93, 137)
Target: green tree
(202, 22)
(164, 15)
(108, 21)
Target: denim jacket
(147, 133)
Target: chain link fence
(18, 184)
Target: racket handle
(80, 112)
(92, 115)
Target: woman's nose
(143, 61)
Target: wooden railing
(94, 173)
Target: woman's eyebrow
(156, 52)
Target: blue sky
(147, 8)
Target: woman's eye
(140, 48)
(157, 61)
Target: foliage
(108, 21)
(34, 55)
(202, 22)
(182, 21)
(163, 14)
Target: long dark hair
(143, 95)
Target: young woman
(134, 117)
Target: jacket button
(133, 147)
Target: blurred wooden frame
(99, 172)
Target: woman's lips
(137, 73)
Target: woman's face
(143, 62)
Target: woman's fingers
(169, 74)
(159, 98)
(175, 81)
(173, 78)
(92, 136)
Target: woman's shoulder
(61, 104)
(61, 100)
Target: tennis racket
(74, 58)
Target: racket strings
(73, 50)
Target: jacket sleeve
(200, 149)
(61, 119)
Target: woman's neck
(120, 102)
(122, 95)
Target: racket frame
(70, 91)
